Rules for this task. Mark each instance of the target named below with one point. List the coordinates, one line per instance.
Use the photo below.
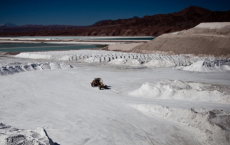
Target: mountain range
(154, 25)
(8, 25)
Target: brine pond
(11, 47)
(22, 47)
(132, 38)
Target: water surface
(83, 38)
(44, 47)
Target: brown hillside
(148, 25)
(207, 41)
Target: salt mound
(197, 66)
(216, 25)
(125, 62)
(13, 68)
(211, 127)
(66, 57)
(132, 62)
(33, 55)
(208, 66)
(55, 65)
(146, 89)
(118, 61)
(65, 66)
(13, 136)
(184, 91)
(160, 63)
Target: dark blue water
(44, 47)
(49, 47)
(82, 38)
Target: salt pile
(13, 136)
(161, 63)
(90, 56)
(183, 62)
(184, 91)
(107, 56)
(211, 127)
(13, 68)
(208, 66)
(125, 62)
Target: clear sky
(86, 12)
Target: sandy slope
(206, 38)
(2, 53)
(123, 47)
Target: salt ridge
(185, 62)
(107, 56)
(12, 68)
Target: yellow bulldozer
(98, 82)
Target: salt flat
(72, 112)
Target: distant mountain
(99, 22)
(186, 18)
(111, 21)
(192, 12)
(8, 25)
(154, 25)
(35, 28)
(135, 17)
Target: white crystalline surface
(212, 126)
(174, 107)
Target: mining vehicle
(98, 82)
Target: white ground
(214, 25)
(13, 136)
(72, 112)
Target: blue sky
(74, 12)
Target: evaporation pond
(44, 47)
